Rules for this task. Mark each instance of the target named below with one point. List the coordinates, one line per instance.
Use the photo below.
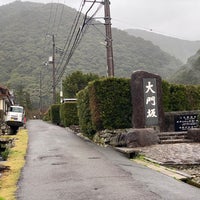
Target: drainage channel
(192, 169)
(188, 173)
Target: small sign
(185, 122)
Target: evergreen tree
(76, 82)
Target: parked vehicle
(15, 118)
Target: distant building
(66, 100)
(6, 100)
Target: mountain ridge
(25, 47)
(179, 48)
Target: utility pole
(54, 69)
(40, 93)
(52, 61)
(109, 45)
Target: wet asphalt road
(62, 166)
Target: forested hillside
(181, 49)
(25, 47)
(189, 73)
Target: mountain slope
(181, 49)
(24, 48)
(190, 72)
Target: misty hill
(181, 49)
(190, 72)
(24, 48)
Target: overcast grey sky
(176, 18)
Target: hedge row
(68, 114)
(63, 114)
(84, 113)
(106, 103)
(180, 97)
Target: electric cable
(78, 37)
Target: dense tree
(190, 72)
(22, 98)
(76, 82)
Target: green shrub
(193, 97)
(68, 114)
(110, 103)
(5, 154)
(106, 103)
(47, 116)
(178, 98)
(166, 96)
(84, 113)
(55, 114)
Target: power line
(77, 39)
(76, 33)
(73, 35)
(70, 36)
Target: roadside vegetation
(14, 163)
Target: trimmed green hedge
(55, 114)
(105, 104)
(68, 114)
(180, 97)
(110, 103)
(84, 113)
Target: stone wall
(194, 134)
(127, 137)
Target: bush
(47, 116)
(106, 103)
(55, 114)
(68, 114)
(193, 97)
(5, 154)
(182, 98)
(166, 96)
(110, 103)
(178, 98)
(84, 113)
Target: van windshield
(16, 109)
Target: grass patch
(5, 154)
(16, 160)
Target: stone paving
(180, 153)
(186, 155)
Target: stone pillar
(146, 91)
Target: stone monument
(146, 91)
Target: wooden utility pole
(52, 61)
(40, 93)
(54, 69)
(109, 45)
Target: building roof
(5, 94)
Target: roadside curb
(153, 164)
(131, 153)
